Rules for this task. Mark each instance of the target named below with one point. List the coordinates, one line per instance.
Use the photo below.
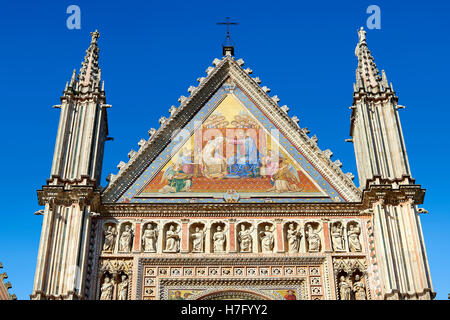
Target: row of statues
(267, 240)
(338, 239)
(293, 233)
(125, 240)
(107, 288)
(349, 291)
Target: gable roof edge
(225, 67)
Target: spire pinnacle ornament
(95, 35)
(227, 46)
(362, 35)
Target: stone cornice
(69, 195)
(40, 295)
(231, 209)
(393, 196)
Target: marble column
(184, 236)
(279, 236)
(232, 235)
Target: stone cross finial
(362, 35)
(95, 35)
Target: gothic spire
(89, 76)
(368, 76)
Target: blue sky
(152, 51)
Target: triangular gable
(183, 171)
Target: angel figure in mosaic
(219, 239)
(198, 240)
(173, 239)
(359, 288)
(269, 164)
(286, 178)
(110, 235)
(267, 239)
(293, 237)
(245, 239)
(177, 180)
(149, 238)
(126, 239)
(313, 238)
(353, 238)
(106, 289)
(185, 160)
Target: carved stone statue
(245, 239)
(362, 35)
(110, 235)
(126, 239)
(172, 239)
(353, 238)
(198, 242)
(293, 237)
(313, 238)
(106, 289)
(344, 289)
(359, 288)
(149, 239)
(337, 236)
(219, 239)
(123, 289)
(267, 240)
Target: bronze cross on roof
(228, 45)
(228, 24)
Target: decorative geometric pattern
(269, 282)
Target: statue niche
(171, 233)
(312, 236)
(292, 237)
(344, 286)
(126, 237)
(351, 286)
(359, 287)
(337, 236)
(106, 287)
(149, 237)
(350, 280)
(218, 237)
(109, 237)
(122, 287)
(266, 237)
(197, 237)
(353, 233)
(244, 236)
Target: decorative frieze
(272, 279)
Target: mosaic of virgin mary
(246, 161)
(230, 151)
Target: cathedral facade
(231, 199)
